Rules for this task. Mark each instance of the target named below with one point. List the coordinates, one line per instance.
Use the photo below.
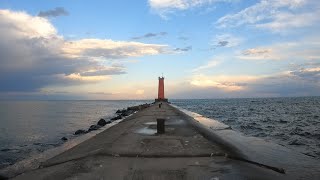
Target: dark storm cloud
(58, 11)
(149, 35)
(185, 49)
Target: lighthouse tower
(161, 91)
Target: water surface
(292, 122)
(30, 127)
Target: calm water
(30, 127)
(292, 122)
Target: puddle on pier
(151, 127)
(167, 123)
(146, 131)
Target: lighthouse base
(161, 100)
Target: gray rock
(116, 118)
(120, 111)
(103, 122)
(94, 127)
(127, 113)
(64, 139)
(80, 131)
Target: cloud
(277, 16)
(33, 55)
(309, 72)
(223, 82)
(285, 21)
(303, 49)
(58, 11)
(300, 82)
(226, 40)
(185, 49)
(258, 54)
(113, 70)
(209, 65)
(149, 35)
(110, 49)
(165, 7)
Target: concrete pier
(133, 150)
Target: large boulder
(120, 111)
(116, 118)
(80, 131)
(139, 107)
(94, 127)
(103, 122)
(127, 113)
(133, 108)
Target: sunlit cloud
(33, 55)
(78, 77)
(224, 82)
(111, 70)
(110, 49)
(23, 25)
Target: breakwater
(192, 147)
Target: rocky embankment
(120, 114)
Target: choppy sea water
(291, 122)
(28, 128)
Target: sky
(108, 50)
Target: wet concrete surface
(133, 150)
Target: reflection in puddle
(167, 122)
(146, 131)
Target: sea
(28, 128)
(293, 122)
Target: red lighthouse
(161, 90)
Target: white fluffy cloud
(110, 49)
(33, 55)
(22, 24)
